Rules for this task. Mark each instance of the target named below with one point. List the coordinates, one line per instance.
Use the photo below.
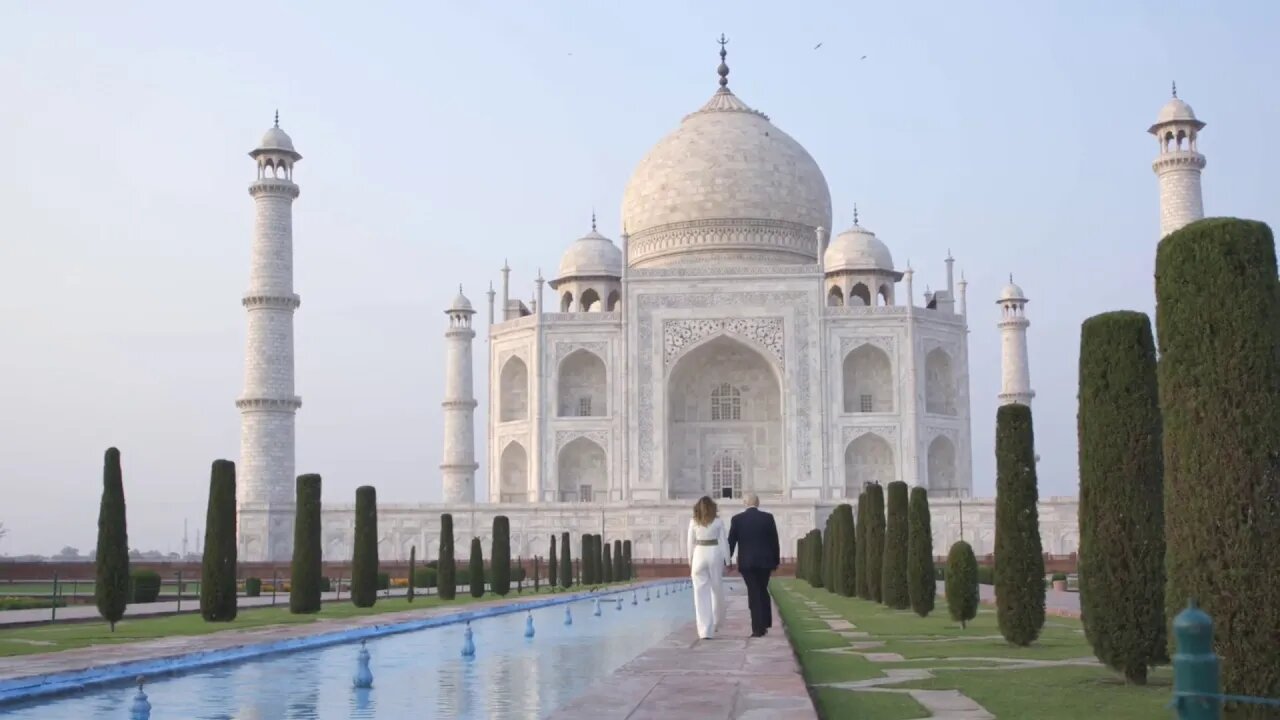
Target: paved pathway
(1056, 602)
(9, 618)
(683, 678)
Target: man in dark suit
(755, 535)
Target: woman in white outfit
(708, 556)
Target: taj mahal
(726, 342)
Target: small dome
(276, 139)
(592, 255)
(1174, 111)
(1012, 292)
(857, 249)
(460, 303)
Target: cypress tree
(584, 576)
(500, 556)
(601, 557)
(304, 574)
(364, 557)
(475, 570)
(606, 563)
(553, 565)
(446, 567)
(828, 554)
(629, 571)
(800, 558)
(111, 572)
(617, 561)
(1121, 494)
(218, 567)
(1218, 326)
(1019, 571)
(893, 581)
(566, 562)
(815, 558)
(413, 555)
(875, 542)
(962, 583)
(846, 547)
(861, 584)
(922, 582)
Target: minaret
(459, 466)
(265, 477)
(1015, 372)
(1178, 164)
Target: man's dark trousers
(757, 581)
(755, 536)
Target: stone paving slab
(734, 677)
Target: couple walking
(754, 535)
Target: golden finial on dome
(723, 70)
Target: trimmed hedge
(962, 583)
(600, 558)
(585, 570)
(1019, 570)
(606, 563)
(922, 577)
(475, 569)
(500, 557)
(1121, 494)
(1218, 327)
(566, 562)
(814, 563)
(218, 566)
(413, 557)
(111, 563)
(145, 586)
(553, 565)
(252, 587)
(425, 577)
(893, 575)
(828, 554)
(304, 575)
(446, 566)
(861, 586)
(629, 571)
(364, 557)
(875, 542)
(843, 569)
(618, 572)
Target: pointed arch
(582, 471)
(590, 300)
(883, 296)
(868, 380)
(566, 302)
(513, 473)
(940, 383)
(942, 466)
(860, 295)
(582, 385)
(868, 458)
(835, 297)
(614, 298)
(513, 391)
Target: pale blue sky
(440, 139)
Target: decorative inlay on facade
(279, 404)
(703, 235)
(870, 310)
(458, 404)
(685, 270)
(852, 432)
(582, 317)
(599, 437)
(884, 342)
(564, 348)
(950, 433)
(271, 186)
(282, 302)
(1187, 160)
(680, 334)
(805, 313)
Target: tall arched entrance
(724, 422)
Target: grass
(67, 636)
(959, 659)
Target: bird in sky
(815, 47)
(864, 57)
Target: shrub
(617, 561)
(111, 563)
(893, 574)
(553, 565)
(922, 577)
(1062, 577)
(475, 569)
(446, 567)
(843, 569)
(939, 572)
(408, 581)
(425, 577)
(599, 559)
(1121, 494)
(1218, 326)
(364, 556)
(304, 574)
(500, 557)
(962, 583)
(628, 570)
(585, 578)
(566, 562)
(326, 585)
(861, 585)
(1019, 570)
(384, 581)
(828, 555)
(606, 562)
(875, 542)
(252, 587)
(986, 574)
(815, 558)
(218, 567)
(146, 586)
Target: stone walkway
(733, 676)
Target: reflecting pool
(420, 674)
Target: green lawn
(66, 636)
(967, 660)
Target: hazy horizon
(438, 142)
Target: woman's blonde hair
(704, 511)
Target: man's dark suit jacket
(757, 535)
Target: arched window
(726, 403)
(513, 386)
(940, 384)
(883, 296)
(590, 300)
(726, 477)
(860, 292)
(835, 298)
(614, 299)
(566, 302)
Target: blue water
(419, 674)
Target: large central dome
(726, 187)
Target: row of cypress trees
(1179, 481)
